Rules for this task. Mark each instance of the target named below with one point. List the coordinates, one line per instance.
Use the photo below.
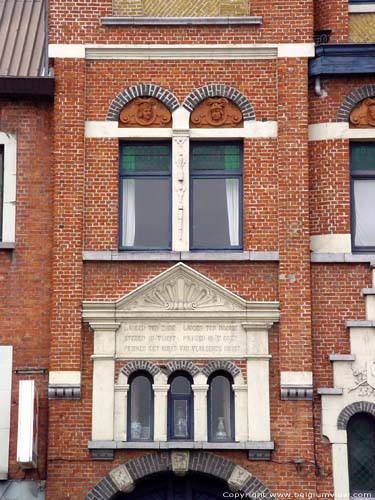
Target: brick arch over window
(352, 409)
(352, 99)
(226, 366)
(134, 366)
(124, 477)
(141, 90)
(187, 366)
(220, 90)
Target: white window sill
(7, 245)
(179, 21)
(186, 445)
(178, 256)
(362, 8)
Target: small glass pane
(215, 157)
(140, 408)
(215, 213)
(181, 385)
(220, 405)
(361, 452)
(362, 156)
(153, 157)
(364, 208)
(180, 423)
(146, 217)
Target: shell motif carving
(182, 295)
(216, 112)
(363, 115)
(145, 112)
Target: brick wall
(26, 272)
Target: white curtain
(128, 213)
(233, 210)
(364, 202)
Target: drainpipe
(318, 88)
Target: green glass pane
(363, 156)
(146, 158)
(224, 157)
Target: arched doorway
(172, 487)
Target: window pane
(215, 157)
(361, 451)
(145, 158)
(140, 408)
(362, 156)
(220, 405)
(364, 212)
(180, 423)
(180, 385)
(215, 213)
(146, 217)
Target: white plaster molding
(66, 51)
(338, 130)
(362, 9)
(180, 191)
(160, 411)
(258, 400)
(252, 130)
(180, 119)
(181, 51)
(296, 378)
(240, 412)
(331, 243)
(340, 471)
(9, 141)
(120, 412)
(103, 400)
(6, 363)
(200, 412)
(64, 378)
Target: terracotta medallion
(363, 115)
(145, 112)
(216, 112)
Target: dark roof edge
(28, 86)
(343, 60)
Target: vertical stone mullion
(121, 412)
(180, 191)
(200, 412)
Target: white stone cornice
(251, 130)
(338, 130)
(362, 8)
(181, 51)
(122, 388)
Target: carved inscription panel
(180, 339)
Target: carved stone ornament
(364, 379)
(145, 112)
(363, 115)
(180, 462)
(216, 112)
(238, 478)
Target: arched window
(361, 453)
(220, 407)
(180, 407)
(140, 407)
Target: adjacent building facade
(187, 252)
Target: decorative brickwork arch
(187, 366)
(141, 90)
(134, 366)
(352, 99)
(226, 366)
(352, 409)
(124, 477)
(220, 90)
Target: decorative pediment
(181, 289)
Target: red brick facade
(67, 226)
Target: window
(8, 160)
(180, 408)
(361, 454)
(216, 195)
(220, 408)
(140, 407)
(362, 171)
(145, 195)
